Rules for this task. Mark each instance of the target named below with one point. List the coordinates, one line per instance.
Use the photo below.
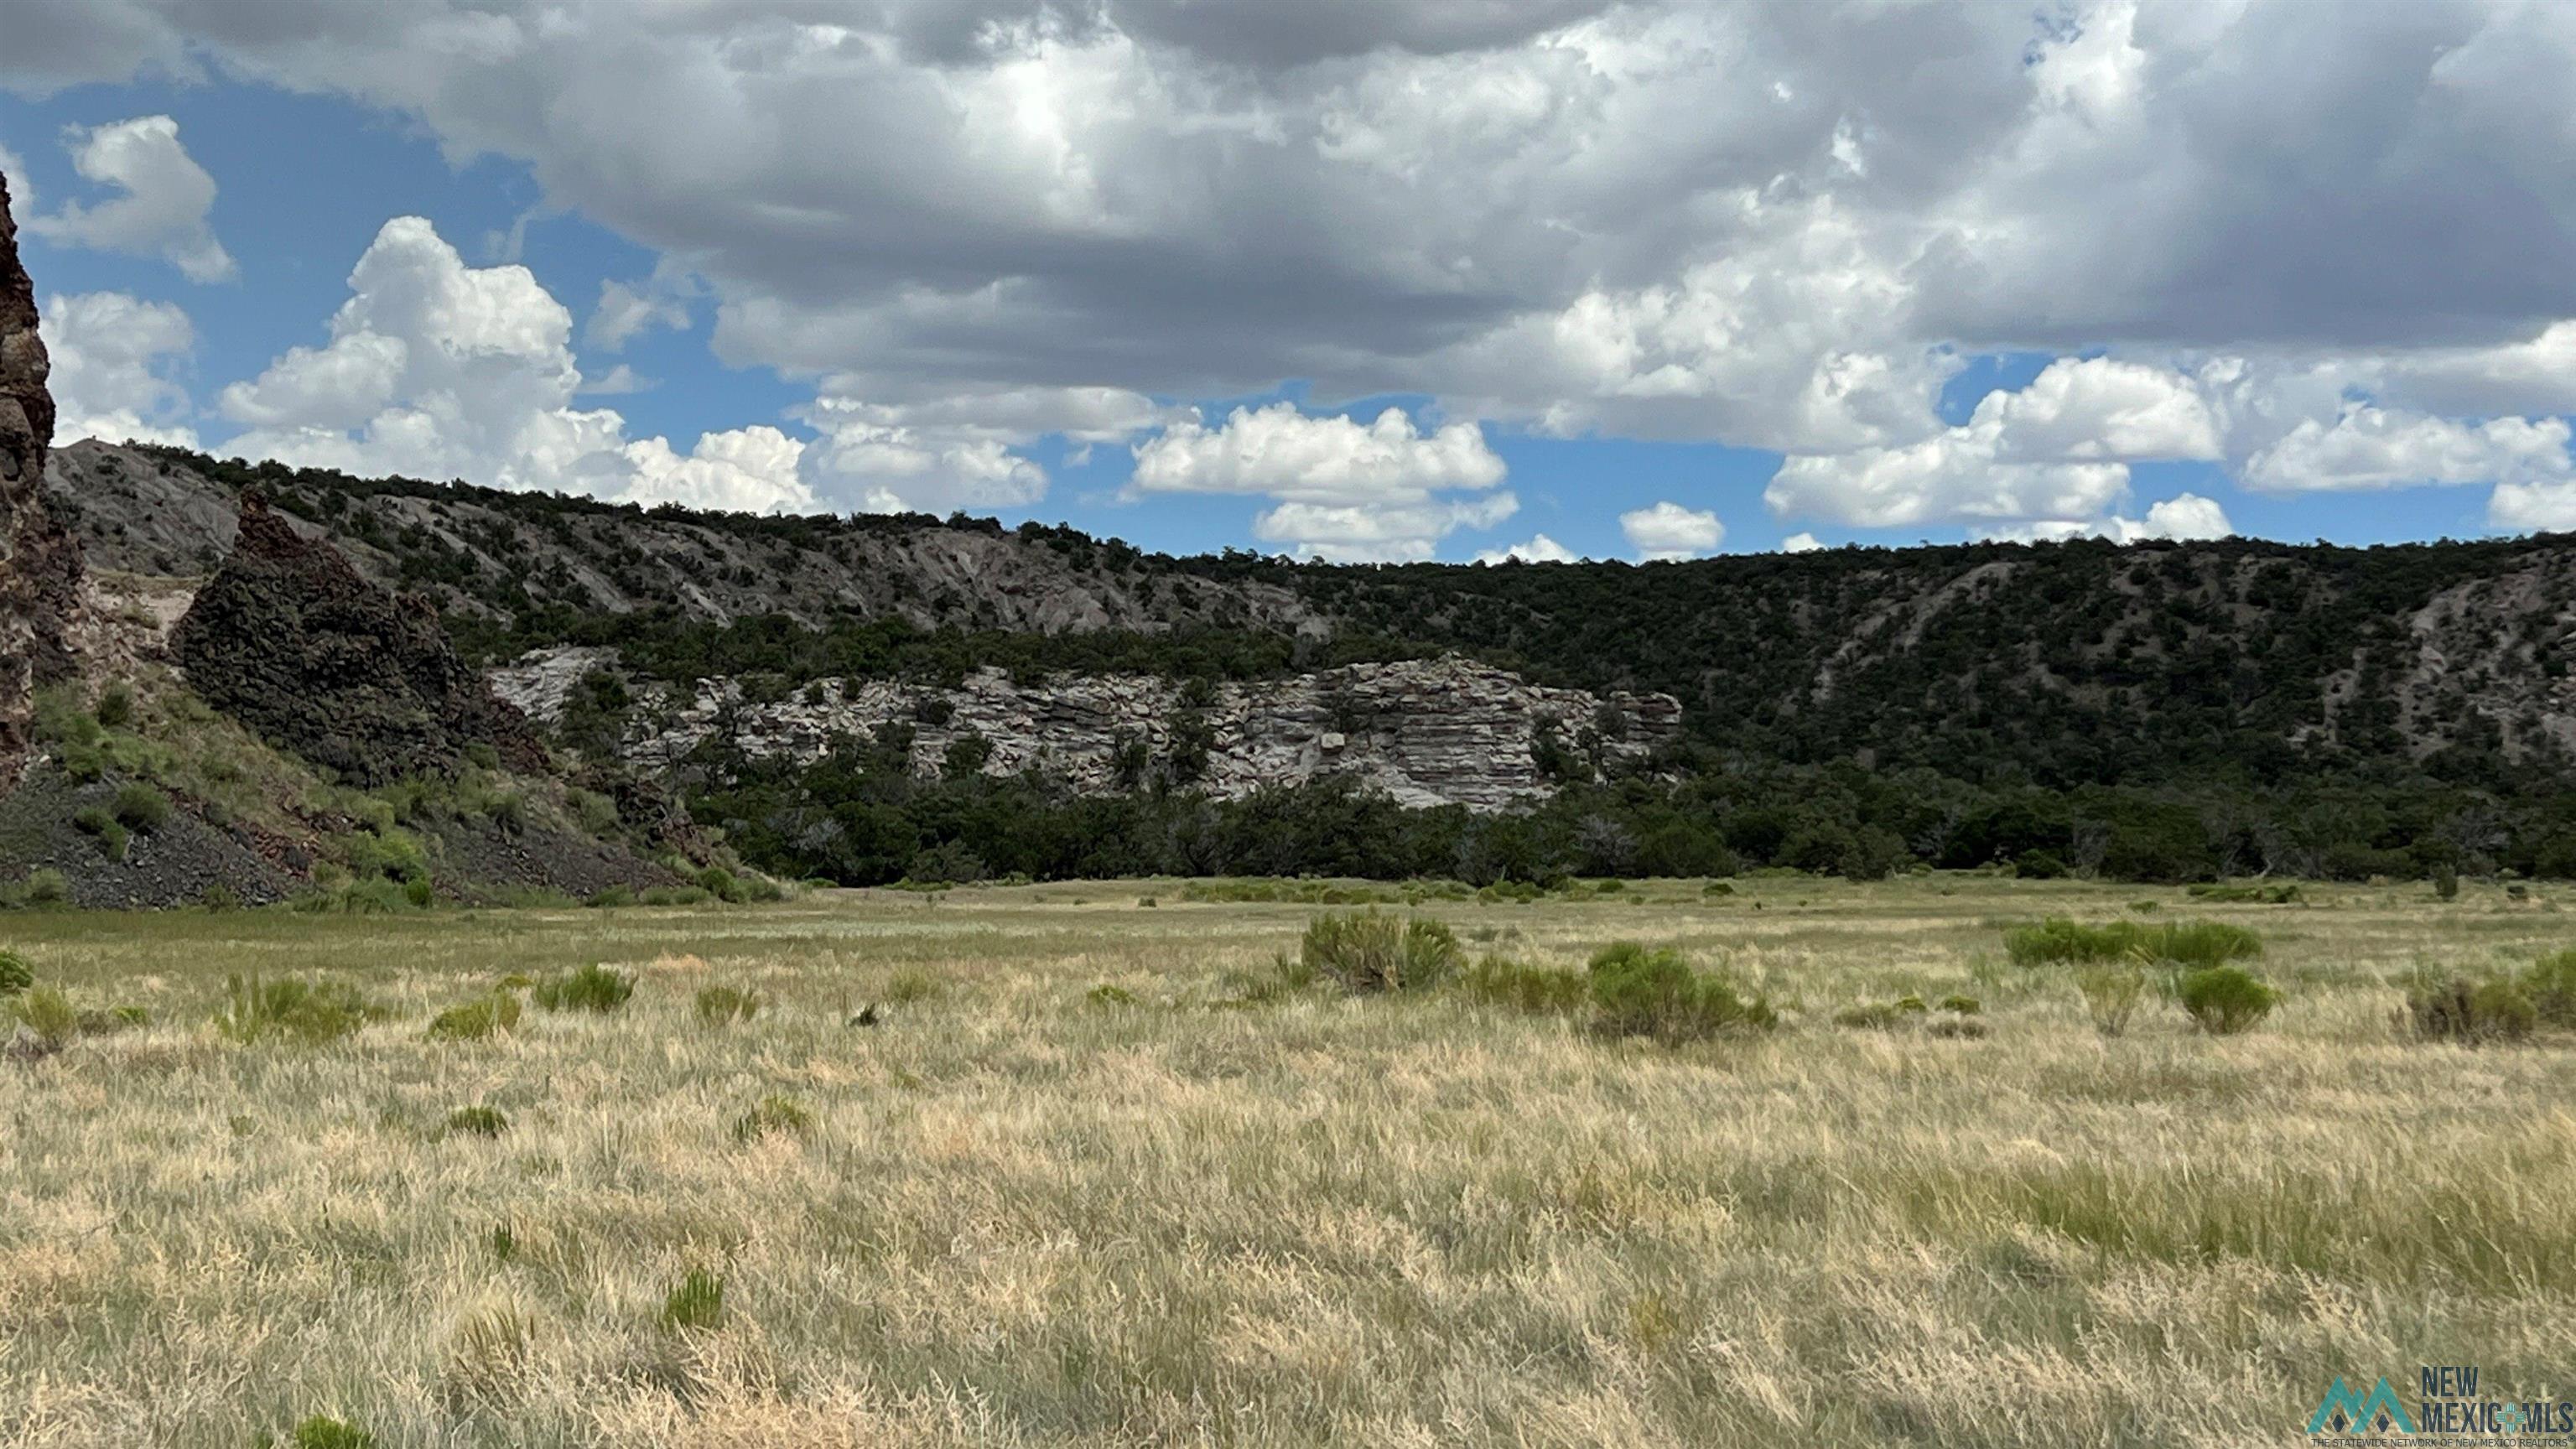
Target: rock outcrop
(1426, 732)
(291, 641)
(40, 565)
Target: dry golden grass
(1022, 1215)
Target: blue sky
(912, 269)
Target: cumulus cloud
(1670, 531)
(2181, 517)
(1345, 489)
(2372, 447)
(162, 211)
(962, 450)
(435, 369)
(1774, 225)
(1538, 549)
(627, 310)
(22, 190)
(1800, 543)
(112, 359)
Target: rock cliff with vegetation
(40, 564)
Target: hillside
(2159, 710)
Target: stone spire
(40, 564)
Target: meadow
(1094, 1172)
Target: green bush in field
(321, 1432)
(477, 1122)
(1370, 951)
(47, 1012)
(1962, 1004)
(2111, 990)
(1641, 992)
(2058, 940)
(724, 1005)
(286, 1006)
(2551, 984)
(698, 1302)
(592, 988)
(770, 1115)
(2225, 1000)
(15, 974)
(2463, 1009)
(1106, 994)
(476, 1020)
(1538, 990)
(48, 887)
(95, 820)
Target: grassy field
(1198, 1209)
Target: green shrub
(15, 974)
(476, 1020)
(1538, 990)
(2186, 943)
(219, 897)
(616, 895)
(49, 1013)
(96, 821)
(2461, 1009)
(141, 808)
(2551, 984)
(1370, 951)
(2225, 1000)
(322, 1432)
(697, 1303)
(417, 893)
(724, 1005)
(2112, 990)
(1961, 1003)
(1107, 995)
(2446, 882)
(772, 1114)
(592, 988)
(48, 887)
(116, 706)
(1638, 992)
(477, 1122)
(305, 1011)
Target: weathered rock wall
(291, 641)
(1427, 732)
(40, 565)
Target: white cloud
(1800, 543)
(22, 189)
(439, 370)
(940, 453)
(1538, 549)
(2182, 517)
(1669, 531)
(2534, 507)
(163, 210)
(2372, 447)
(1345, 489)
(624, 311)
(2099, 409)
(112, 356)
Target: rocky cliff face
(40, 565)
(291, 641)
(1429, 732)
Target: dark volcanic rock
(40, 564)
(289, 639)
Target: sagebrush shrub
(1962, 1004)
(141, 808)
(1106, 994)
(307, 1011)
(2185, 943)
(724, 1005)
(1641, 992)
(2462, 1009)
(1538, 990)
(15, 974)
(2224, 1000)
(49, 1013)
(2111, 990)
(2551, 984)
(477, 1019)
(592, 988)
(698, 1301)
(322, 1432)
(1371, 951)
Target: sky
(1358, 279)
